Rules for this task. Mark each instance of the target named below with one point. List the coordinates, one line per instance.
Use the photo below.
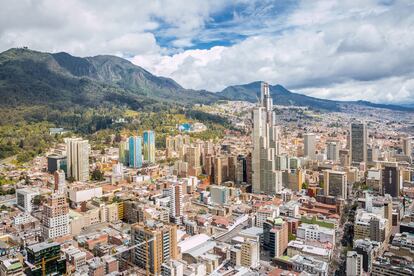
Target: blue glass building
(149, 146)
(135, 151)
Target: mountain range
(59, 80)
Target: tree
(97, 175)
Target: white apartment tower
(78, 159)
(266, 140)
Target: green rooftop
(321, 223)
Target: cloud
(327, 48)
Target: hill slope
(29, 78)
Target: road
(232, 233)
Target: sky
(334, 49)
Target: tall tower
(358, 142)
(135, 151)
(309, 140)
(149, 146)
(55, 217)
(78, 159)
(176, 203)
(266, 139)
(407, 146)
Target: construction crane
(146, 242)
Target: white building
(23, 218)
(266, 146)
(315, 232)
(25, 198)
(219, 194)
(80, 194)
(353, 264)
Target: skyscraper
(407, 146)
(124, 153)
(265, 178)
(358, 142)
(176, 203)
(192, 157)
(335, 183)
(149, 146)
(309, 140)
(391, 179)
(135, 151)
(78, 159)
(332, 151)
(55, 217)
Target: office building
(219, 194)
(332, 151)
(59, 181)
(266, 144)
(309, 142)
(353, 264)
(124, 152)
(158, 245)
(45, 259)
(11, 267)
(78, 159)
(250, 253)
(315, 232)
(55, 217)
(275, 236)
(407, 146)
(358, 143)
(149, 146)
(335, 184)
(368, 250)
(24, 199)
(391, 179)
(56, 162)
(135, 151)
(193, 157)
(176, 203)
(309, 265)
(370, 225)
(393, 265)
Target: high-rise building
(56, 162)
(217, 170)
(60, 184)
(157, 245)
(11, 267)
(366, 248)
(332, 151)
(335, 183)
(149, 146)
(78, 159)
(55, 217)
(219, 194)
(391, 179)
(266, 144)
(176, 203)
(24, 199)
(45, 259)
(275, 236)
(309, 141)
(135, 151)
(353, 264)
(193, 158)
(358, 142)
(124, 153)
(407, 146)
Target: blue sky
(335, 49)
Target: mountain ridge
(29, 77)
